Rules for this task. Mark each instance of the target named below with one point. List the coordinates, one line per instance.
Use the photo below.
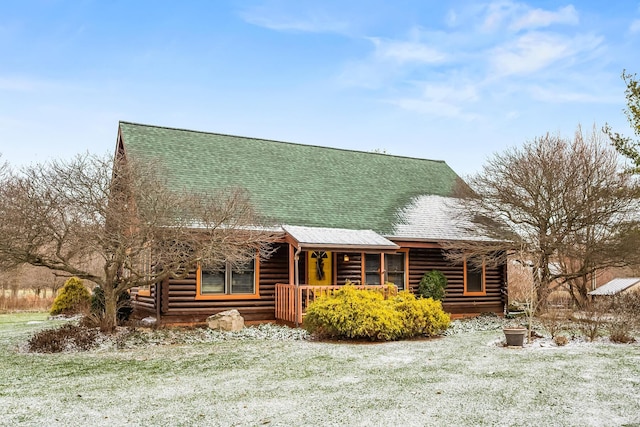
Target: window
(474, 279)
(372, 269)
(395, 269)
(227, 282)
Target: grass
(463, 380)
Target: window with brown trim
(394, 269)
(474, 278)
(372, 269)
(227, 281)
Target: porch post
(296, 281)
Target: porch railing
(292, 301)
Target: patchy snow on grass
(269, 378)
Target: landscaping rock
(148, 322)
(229, 321)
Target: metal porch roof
(338, 238)
(615, 286)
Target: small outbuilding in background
(617, 286)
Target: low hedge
(364, 314)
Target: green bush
(432, 285)
(72, 299)
(124, 308)
(364, 314)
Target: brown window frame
(382, 272)
(483, 281)
(230, 296)
(144, 291)
(364, 268)
(405, 256)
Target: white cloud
(535, 51)
(635, 26)
(27, 84)
(452, 18)
(482, 54)
(443, 100)
(538, 18)
(497, 13)
(407, 51)
(520, 16)
(366, 74)
(434, 108)
(17, 84)
(442, 92)
(560, 95)
(391, 59)
(312, 22)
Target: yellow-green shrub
(423, 316)
(354, 314)
(73, 298)
(365, 314)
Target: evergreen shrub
(124, 308)
(364, 314)
(433, 285)
(72, 299)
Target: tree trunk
(109, 322)
(542, 281)
(579, 290)
(572, 292)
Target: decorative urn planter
(515, 336)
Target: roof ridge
(280, 142)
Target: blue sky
(448, 80)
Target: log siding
(424, 260)
(178, 303)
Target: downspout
(296, 280)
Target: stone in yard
(148, 322)
(229, 320)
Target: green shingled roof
(292, 183)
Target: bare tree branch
(60, 215)
(564, 207)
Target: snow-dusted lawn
(458, 380)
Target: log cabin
(344, 216)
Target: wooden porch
(291, 301)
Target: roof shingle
(292, 183)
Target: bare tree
(4, 167)
(28, 278)
(63, 215)
(564, 208)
